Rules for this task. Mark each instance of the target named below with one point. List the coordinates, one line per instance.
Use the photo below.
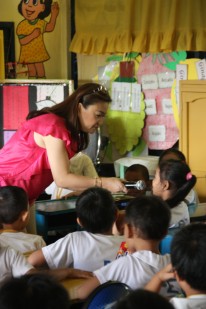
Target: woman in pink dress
(39, 151)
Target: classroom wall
(57, 42)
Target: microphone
(139, 185)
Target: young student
(33, 291)
(80, 164)
(188, 255)
(14, 216)
(172, 182)
(92, 247)
(15, 264)
(142, 299)
(147, 221)
(175, 154)
(137, 172)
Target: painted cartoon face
(31, 9)
(92, 117)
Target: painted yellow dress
(35, 51)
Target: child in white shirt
(14, 216)
(91, 248)
(146, 223)
(188, 256)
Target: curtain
(120, 26)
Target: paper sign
(149, 82)
(136, 97)
(50, 92)
(166, 79)
(156, 133)
(150, 107)
(181, 72)
(167, 106)
(121, 96)
(201, 69)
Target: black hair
(188, 255)
(179, 155)
(140, 169)
(149, 215)
(96, 210)
(87, 94)
(13, 201)
(142, 299)
(33, 291)
(42, 15)
(179, 176)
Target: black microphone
(139, 185)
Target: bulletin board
(19, 97)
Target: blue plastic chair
(106, 295)
(165, 244)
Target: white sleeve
(60, 253)
(18, 262)
(112, 271)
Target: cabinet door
(193, 130)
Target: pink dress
(25, 164)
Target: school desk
(197, 212)
(70, 285)
(55, 215)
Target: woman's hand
(113, 184)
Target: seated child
(137, 172)
(33, 291)
(188, 256)
(175, 154)
(146, 223)
(15, 264)
(14, 215)
(172, 182)
(80, 164)
(95, 245)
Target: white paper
(181, 72)
(50, 92)
(150, 107)
(167, 106)
(157, 133)
(136, 97)
(201, 69)
(166, 79)
(149, 82)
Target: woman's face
(31, 9)
(157, 186)
(92, 117)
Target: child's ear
(24, 215)
(128, 231)
(79, 222)
(166, 185)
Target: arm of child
(83, 290)
(163, 275)
(37, 259)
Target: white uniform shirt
(12, 264)
(136, 270)
(195, 301)
(82, 250)
(180, 215)
(20, 241)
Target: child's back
(14, 217)
(146, 223)
(89, 249)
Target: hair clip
(189, 176)
(100, 88)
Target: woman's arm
(59, 163)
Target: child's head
(188, 255)
(172, 153)
(34, 9)
(33, 291)
(96, 210)
(149, 216)
(137, 172)
(173, 181)
(142, 299)
(13, 204)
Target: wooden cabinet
(193, 130)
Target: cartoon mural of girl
(30, 32)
